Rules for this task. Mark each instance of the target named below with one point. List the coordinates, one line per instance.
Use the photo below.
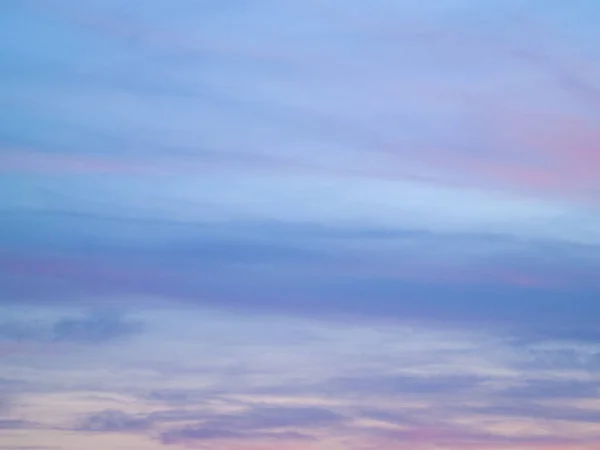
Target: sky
(299, 225)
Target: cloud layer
(221, 380)
(299, 225)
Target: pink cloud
(423, 438)
(555, 155)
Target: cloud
(94, 329)
(342, 203)
(589, 335)
(402, 385)
(331, 197)
(269, 417)
(300, 268)
(171, 396)
(15, 424)
(309, 383)
(396, 201)
(28, 447)
(545, 389)
(191, 434)
(113, 421)
(260, 417)
(540, 412)
(258, 422)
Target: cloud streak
(97, 328)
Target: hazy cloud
(113, 421)
(92, 329)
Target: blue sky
(299, 225)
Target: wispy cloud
(344, 225)
(96, 328)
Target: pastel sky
(300, 225)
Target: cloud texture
(311, 225)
